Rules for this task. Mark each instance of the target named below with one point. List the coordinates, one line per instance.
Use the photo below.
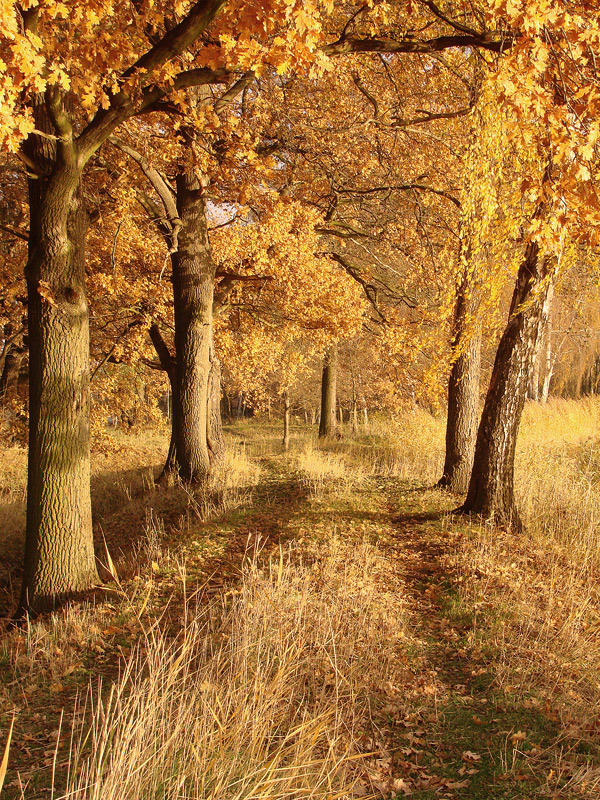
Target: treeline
(235, 190)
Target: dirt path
(477, 740)
(447, 730)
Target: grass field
(317, 623)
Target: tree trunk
(167, 362)
(461, 425)
(463, 383)
(491, 488)
(549, 365)
(59, 547)
(214, 434)
(533, 384)
(327, 424)
(286, 420)
(193, 289)
(13, 362)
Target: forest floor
(466, 699)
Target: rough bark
(461, 425)
(327, 425)
(491, 488)
(193, 289)
(59, 551)
(463, 392)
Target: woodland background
(324, 224)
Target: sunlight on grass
(265, 693)
(410, 447)
(542, 588)
(324, 473)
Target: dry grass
(266, 693)
(410, 447)
(324, 472)
(270, 690)
(543, 588)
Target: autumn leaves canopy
(304, 172)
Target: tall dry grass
(265, 694)
(543, 586)
(408, 447)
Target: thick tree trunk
(59, 551)
(491, 488)
(463, 411)
(463, 383)
(193, 289)
(286, 420)
(327, 425)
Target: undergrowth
(265, 678)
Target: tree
(328, 420)
(59, 552)
(549, 83)
(92, 70)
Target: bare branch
(493, 41)
(403, 188)
(19, 234)
(364, 91)
(234, 91)
(453, 23)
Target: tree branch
(179, 38)
(167, 361)
(15, 232)
(364, 91)
(403, 188)
(453, 24)
(173, 44)
(368, 288)
(492, 41)
(428, 116)
(234, 91)
(161, 187)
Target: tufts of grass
(230, 486)
(409, 447)
(265, 694)
(325, 472)
(536, 596)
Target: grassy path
(460, 734)
(441, 725)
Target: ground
(448, 697)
